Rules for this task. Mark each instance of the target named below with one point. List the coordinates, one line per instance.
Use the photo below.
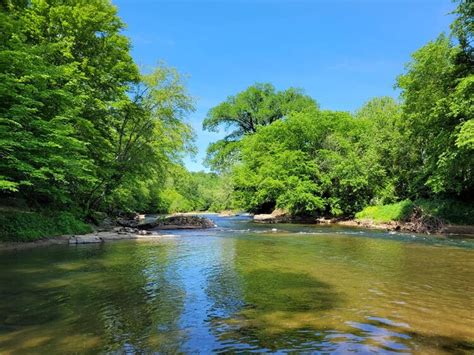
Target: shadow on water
(274, 291)
(274, 311)
(91, 299)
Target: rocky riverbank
(90, 238)
(445, 229)
(417, 223)
(130, 228)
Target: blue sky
(341, 52)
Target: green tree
(41, 156)
(383, 137)
(259, 105)
(148, 133)
(312, 163)
(438, 106)
(79, 125)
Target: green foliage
(173, 202)
(449, 210)
(463, 30)
(258, 105)
(195, 191)
(29, 226)
(41, 156)
(312, 163)
(79, 126)
(149, 136)
(333, 163)
(438, 104)
(399, 211)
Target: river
(242, 287)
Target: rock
(85, 239)
(277, 216)
(227, 213)
(129, 219)
(178, 222)
(324, 220)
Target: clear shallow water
(242, 287)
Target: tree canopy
(259, 105)
(80, 126)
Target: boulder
(85, 239)
(277, 216)
(178, 222)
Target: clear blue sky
(341, 52)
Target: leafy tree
(41, 155)
(463, 29)
(382, 137)
(148, 132)
(79, 125)
(259, 105)
(438, 107)
(312, 163)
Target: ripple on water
(241, 288)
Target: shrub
(23, 226)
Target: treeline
(285, 152)
(186, 191)
(82, 129)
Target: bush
(448, 210)
(393, 212)
(22, 226)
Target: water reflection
(91, 298)
(224, 290)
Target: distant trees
(195, 191)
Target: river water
(242, 287)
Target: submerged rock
(178, 222)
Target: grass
(25, 226)
(393, 212)
(449, 210)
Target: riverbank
(119, 229)
(90, 238)
(23, 225)
(397, 226)
(439, 217)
